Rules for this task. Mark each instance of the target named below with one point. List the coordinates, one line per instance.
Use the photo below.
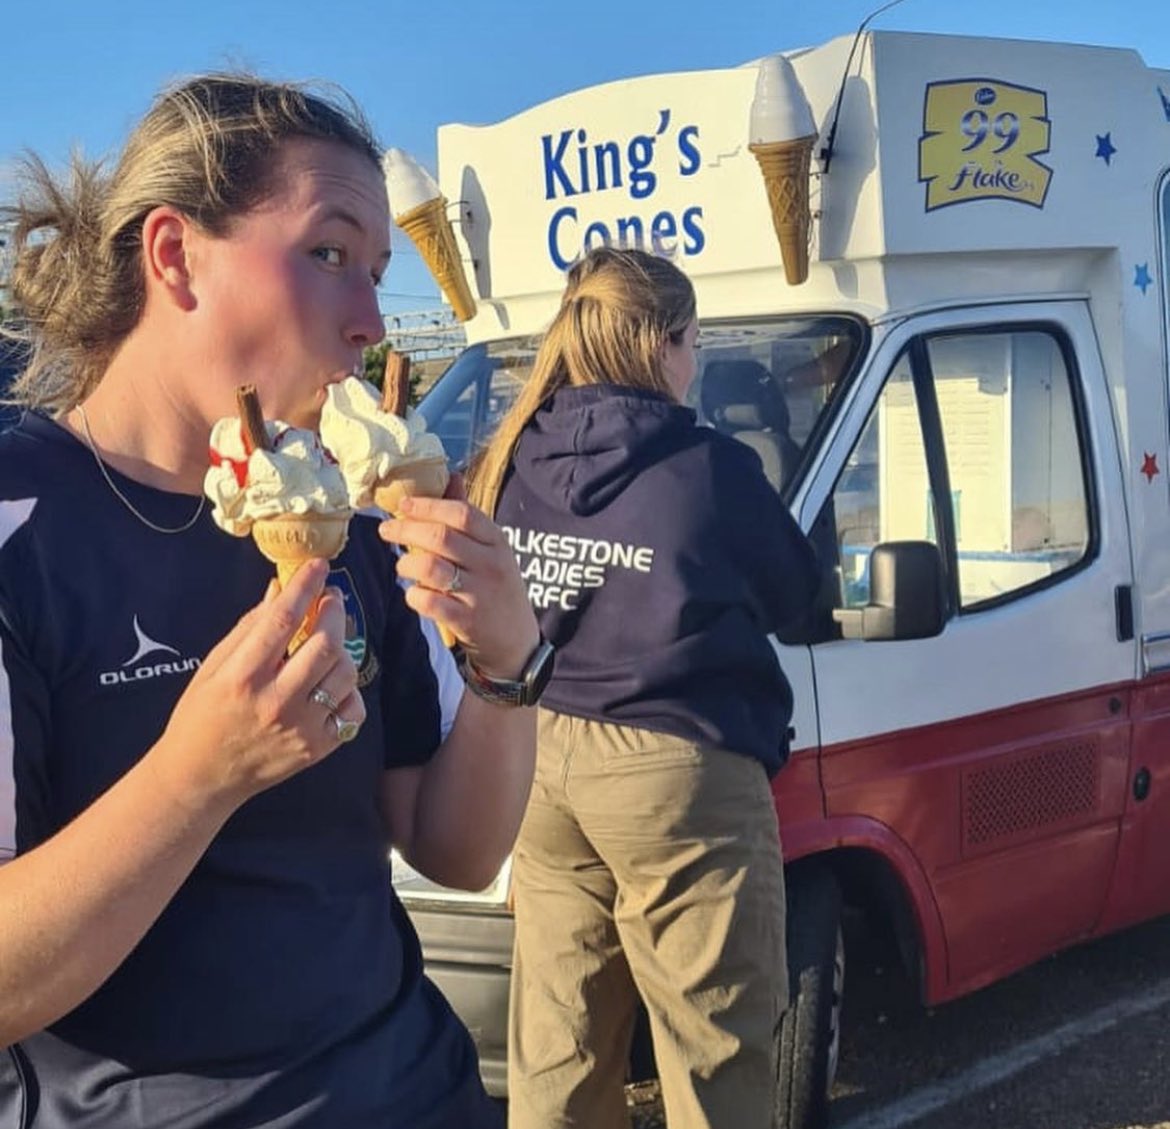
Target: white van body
(989, 247)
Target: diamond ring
(456, 584)
(322, 697)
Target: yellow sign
(980, 140)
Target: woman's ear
(167, 242)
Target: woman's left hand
(466, 578)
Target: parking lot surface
(1080, 1041)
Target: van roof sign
(944, 144)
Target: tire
(810, 1032)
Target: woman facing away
(199, 927)
(648, 863)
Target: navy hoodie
(658, 559)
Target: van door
(997, 750)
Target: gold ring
(456, 584)
(346, 730)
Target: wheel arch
(879, 875)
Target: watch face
(538, 672)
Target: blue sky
(79, 74)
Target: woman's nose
(365, 326)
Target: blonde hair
(620, 307)
(209, 147)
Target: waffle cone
(431, 232)
(290, 540)
(425, 477)
(285, 570)
(785, 167)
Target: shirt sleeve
(7, 759)
(24, 700)
(24, 730)
(777, 559)
(421, 687)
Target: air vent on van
(1020, 795)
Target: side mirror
(907, 594)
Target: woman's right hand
(247, 721)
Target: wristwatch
(523, 690)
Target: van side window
(1017, 506)
(1014, 459)
(884, 492)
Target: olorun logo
(134, 669)
(146, 645)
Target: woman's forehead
(313, 172)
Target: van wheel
(810, 1032)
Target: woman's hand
(248, 719)
(465, 577)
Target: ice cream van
(962, 395)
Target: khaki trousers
(647, 866)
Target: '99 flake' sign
(980, 140)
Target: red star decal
(1149, 466)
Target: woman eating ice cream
(199, 924)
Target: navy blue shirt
(658, 559)
(282, 985)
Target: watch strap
(522, 691)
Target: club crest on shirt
(355, 626)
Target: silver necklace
(122, 497)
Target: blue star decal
(1141, 277)
(1105, 148)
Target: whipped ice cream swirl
(369, 443)
(296, 477)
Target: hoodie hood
(585, 445)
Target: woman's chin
(308, 415)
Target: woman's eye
(332, 256)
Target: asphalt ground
(1080, 1041)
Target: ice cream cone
(425, 477)
(431, 232)
(785, 166)
(291, 540)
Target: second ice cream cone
(785, 166)
(431, 232)
(425, 477)
(383, 447)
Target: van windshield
(768, 382)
